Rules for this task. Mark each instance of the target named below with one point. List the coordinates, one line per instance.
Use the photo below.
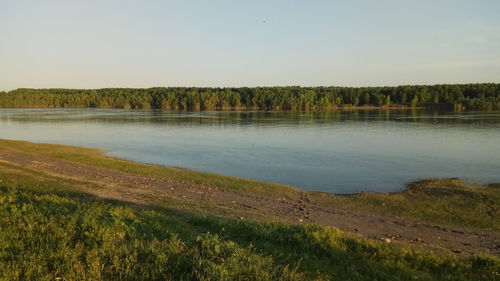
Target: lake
(332, 151)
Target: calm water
(333, 151)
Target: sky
(225, 43)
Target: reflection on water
(256, 118)
(333, 151)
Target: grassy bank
(50, 228)
(447, 201)
(50, 231)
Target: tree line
(485, 96)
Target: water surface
(332, 151)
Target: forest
(485, 96)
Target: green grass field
(50, 232)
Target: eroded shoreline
(149, 185)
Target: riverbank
(432, 222)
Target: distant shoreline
(484, 96)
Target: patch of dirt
(135, 188)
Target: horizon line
(241, 87)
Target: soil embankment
(143, 190)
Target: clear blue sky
(124, 43)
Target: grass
(447, 201)
(49, 230)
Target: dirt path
(134, 188)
